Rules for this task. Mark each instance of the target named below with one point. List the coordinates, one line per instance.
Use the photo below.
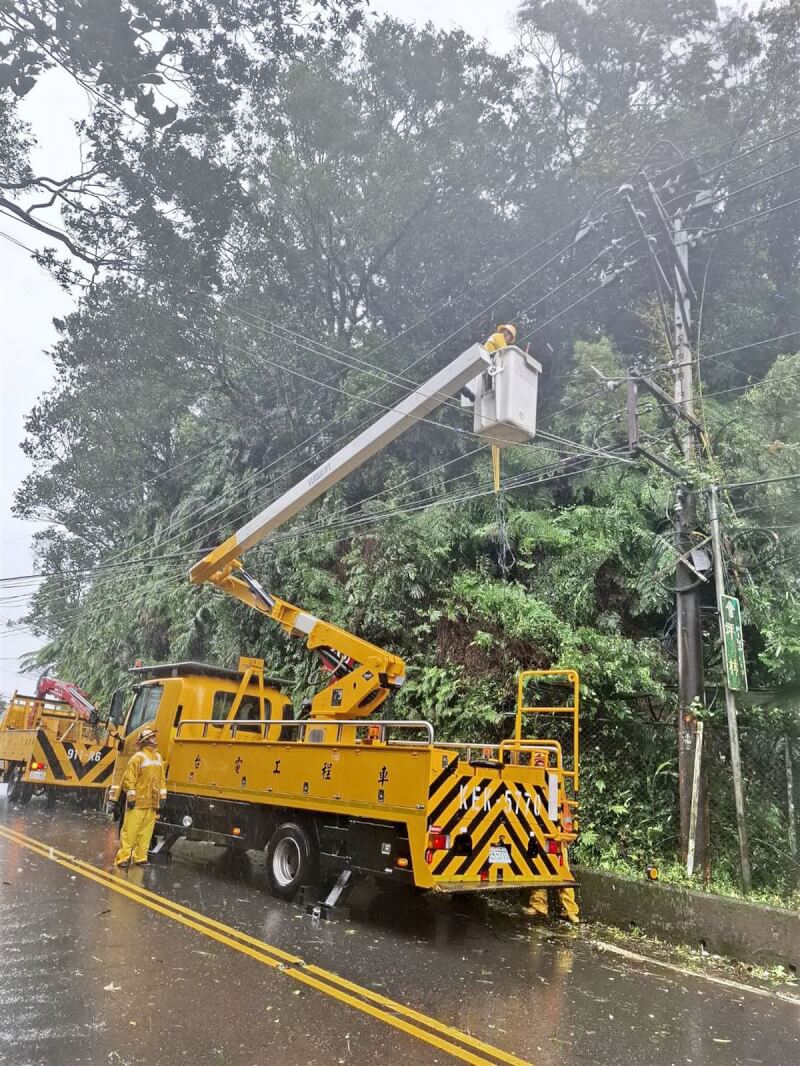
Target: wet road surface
(158, 969)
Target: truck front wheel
(292, 860)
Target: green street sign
(734, 644)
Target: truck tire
(292, 860)
(18, 790)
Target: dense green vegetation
(330, 210)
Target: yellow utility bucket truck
(342, 791)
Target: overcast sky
(29, 299)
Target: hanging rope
(505, 554)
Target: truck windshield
(145, 706)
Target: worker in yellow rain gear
(501, 338)
(145, 788)
(504, 335)
(538, 903)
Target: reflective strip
(552, 797)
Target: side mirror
(116, 713)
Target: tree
(155, 70)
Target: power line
(87, 87)
(93, 570)
(419, 359)
(14, 240)
(750, 218)
(370, 399)
(525, 480)
(761, 481)
(320, 348)
(748, 151)
(732, 351)
(737, 192)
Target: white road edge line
(625, 953)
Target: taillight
(37, 766)
(485, 874)
(437, 840)
(553, 847)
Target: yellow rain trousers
(144, 783)
(134, 840)
(537, 904)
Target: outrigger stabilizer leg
(330, 907)
(161, 850)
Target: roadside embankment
(748, 932)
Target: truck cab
(168, 694)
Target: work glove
(130, 802)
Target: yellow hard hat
(511, 329)
(147, 735)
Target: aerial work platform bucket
(505, 398)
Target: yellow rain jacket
(145, 780)
(495, 342)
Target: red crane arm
(67, 693)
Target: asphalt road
(193, 962)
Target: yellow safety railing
(571, 708)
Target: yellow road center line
(286, 957)
(316, 977)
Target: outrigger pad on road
(330, 908)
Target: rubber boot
(569, 905)
(537, 904)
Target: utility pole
(693, 800)
(730, 699)
(787, 752)
(691, 690)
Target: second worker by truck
(145, 788)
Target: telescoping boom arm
(363, 673)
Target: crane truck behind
(51, 745)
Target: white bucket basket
(505, 401)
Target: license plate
(499, 855)
(37, 775)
